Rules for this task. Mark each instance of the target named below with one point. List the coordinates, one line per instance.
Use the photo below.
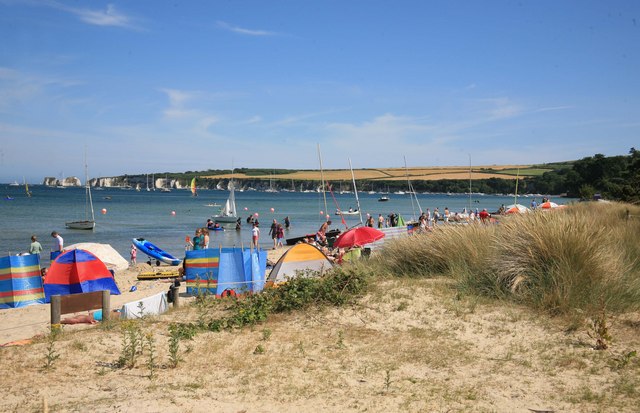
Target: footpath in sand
(27, 322)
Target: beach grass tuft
(580, 258)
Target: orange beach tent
(299, 258)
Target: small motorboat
(349, 212)
(383, 198)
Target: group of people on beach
(199, 241)
(36, 248)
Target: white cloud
(178, 100)
(254, 119)
(240, 30)
(503, 108)
(109, 16)
(17, 88)
(553, 108)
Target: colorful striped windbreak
(214, 271)
(20, 281)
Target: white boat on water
(87, 224)
(228, 213)
(14, 183)
(349, 212)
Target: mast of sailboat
(515, 197)
(355, 190)
(88, 187)
(412, 193)
(469, 185)
(324, 194)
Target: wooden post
(106, 305)
(55, 310)
(175, 293)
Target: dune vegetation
(581, 259)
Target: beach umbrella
(358, 236)
(548, 205)
(516, 209)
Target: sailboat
(89, 224)
(26, 188)
(166, 185)
(271, 188)
(351, 211)
(228, 213)
(516, 208)
(194, 191)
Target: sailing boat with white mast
(228, 213)
(89, 224)
(412, 191)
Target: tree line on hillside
(613, 177)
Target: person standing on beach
(59, 242)
(205, 238)
(280, 234)
(484, 216)
(255, 235)
(198, 240)
(273, 232)
(436, 216)
(380, 221)
(35, 247)
(370, 221)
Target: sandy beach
(409, 345)
(27, 322)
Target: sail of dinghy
(194, 191)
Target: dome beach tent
(20, 281)
(516, 209)
(105, 252)
(78, 271)
(298, 258)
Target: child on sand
(134, 254)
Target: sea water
(167, 218)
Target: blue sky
(155, 86)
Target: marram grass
(579, 258)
